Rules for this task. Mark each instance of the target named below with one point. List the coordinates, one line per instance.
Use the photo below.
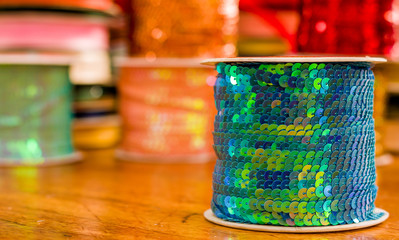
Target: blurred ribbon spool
(167, 110)
(294, 138)
(35, 117)
(49, 31)
(326, 28)
(380, 102)
(190, 28)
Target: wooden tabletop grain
(102, 198)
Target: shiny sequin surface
(191, 28)
(295, 143)
(35, 116)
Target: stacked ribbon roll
(52, 32)
(295, 143)
(35, 117)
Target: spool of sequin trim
(191, 28)
(167, 110)
(294, 138)
(35, 117)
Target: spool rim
(36, 59)
(208, 214)
(292, 59)
(54, 17)
(161, 62)
(109, 11)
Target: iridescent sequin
(35, 116)
(295, 143)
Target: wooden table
(108, 199)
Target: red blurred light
(321, 26)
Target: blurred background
(135, 79)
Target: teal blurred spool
(35, 114)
